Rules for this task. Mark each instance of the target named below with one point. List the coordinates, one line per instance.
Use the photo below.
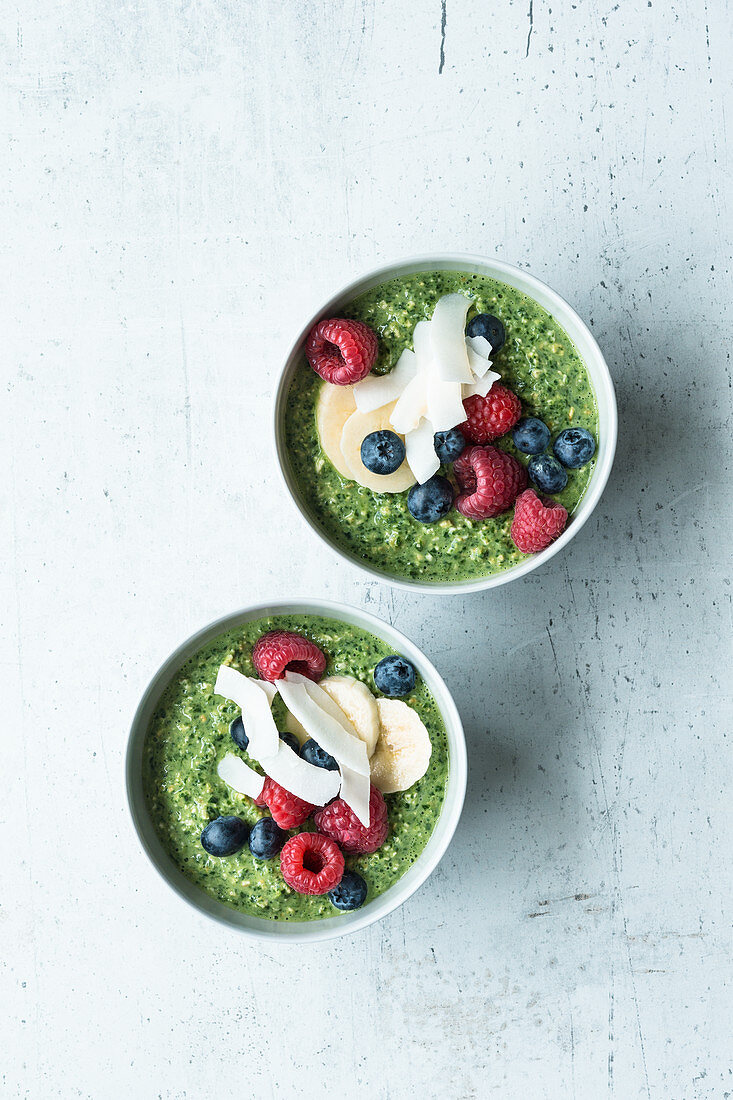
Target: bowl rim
(538, 290)
(340, 924)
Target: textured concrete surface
(182, 181)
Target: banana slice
(403, 750)
(358, 704)
(357, 427)
(334, 407)
(292, 725)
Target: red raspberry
(281, 650)
(311, 863)
(490, 417)
(342, 352)
(537, 522)
(339, 821)
(288, 811)
(491, 481)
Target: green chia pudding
(538, 362)
(189, 735)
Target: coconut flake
(314, 785)
(239, 776)
(355, 791)
(445, 404)
(319, 718)
(420, 451)
(478, 364)
(411, 407)
(482, 386)
(448, 338)
(376, 390)
(255, 700)
(480, 345)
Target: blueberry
(394, 676)
(266, 839)
(225, 836)
(449, 445)
(237, 734)
(488, 326)
(547, 473)
(312, 753)
(574, 447)
(530, 435)
(350, 893)
(382, 452)
(431, 501)
(291, 741)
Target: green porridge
(538, 362)
(189, 735)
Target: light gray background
(182, 183)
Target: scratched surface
(182, 183)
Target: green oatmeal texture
(189, 735)
(538, 361)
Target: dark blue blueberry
(266, 839)
(291, 741)
(237, 734)
(547, 473)
(574, 447)
(431, 501)
(225, 836)
(490, 327)
(382, 452)
(350, 893)
(449, 445)
(312, 753)
(394, 676)
(530, 435)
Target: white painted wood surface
(182, 182)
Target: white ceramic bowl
(586, 346)
(342, 923)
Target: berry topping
(490, 417)
(530, 435)
(237, 734)
(279, 651)
(313, 754)
(394, 676)
(432, 500)
(291, 741)
(339, 821)
(537, 522)
(574, 447)
(382, 452)
(350, 893)
(491, 481)
(225, 836)
(311, 863)
(449, 445)
(266, 838)
(488, 326)
(341, 352)
(547, 473)
(288, 811)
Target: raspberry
(491, 481)
(288, 811)
(311, 863)
(342, 352)
(281, 650)
(537, 522)
(490, 417)
(339, 821)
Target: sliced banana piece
(358, 704)
(334, 407)
(403, 750)
(357, 427)
(292, 725)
